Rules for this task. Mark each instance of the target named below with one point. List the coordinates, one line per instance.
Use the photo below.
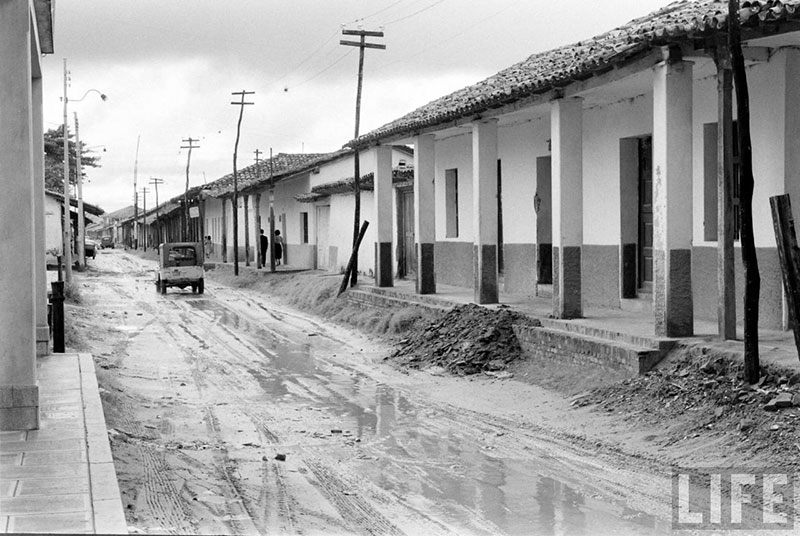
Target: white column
(40, 264)
(672, 199)
(19, 395)
(425, 212)
(383, 215)
(484, 210)
(566, 125)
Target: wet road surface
(203, 392)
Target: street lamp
(67, 238)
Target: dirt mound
(694, 397)
(466, 340)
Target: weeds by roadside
(317, 294)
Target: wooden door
(406, 254)
(323, 223)
(645, 253)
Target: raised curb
(109, 516)
(560, 346)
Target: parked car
(180, 264)
(106, 242)
(90, 248)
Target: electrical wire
(414, 14)
(329, 67)
(437, 44)
(377, 12)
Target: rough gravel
(468, 339)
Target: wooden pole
(241, 104)
(726, 281)
(362, 44)
(789, 254)
(353, 257)
(752, 279)
(246, 230)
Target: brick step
(646, 341)
(372, 299)
(418, 299)
(559, 346)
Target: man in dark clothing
(264, 248)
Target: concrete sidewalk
(61, 478)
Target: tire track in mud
(360, 516)
(157, 491)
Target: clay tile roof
(282, 165)
(544, 71)
(400, 175)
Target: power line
(377, 12)
(413, 14)
(328, 68)
(297, 67)
(437, 44)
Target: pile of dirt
(466, 340)
(693, 397)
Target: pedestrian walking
(278, 247)
(264, 247)
(208, 246)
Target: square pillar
(566, 130)
(484, 210)
(384, 275)
(425, 212)
(672, 199)
(40, 263)
(224, 231)
(19, 393)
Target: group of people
(278, 243)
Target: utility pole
(361, 44)
(752, 278)
(271, 215)
(135, 240)
(144, 213)
(67, 237)
(155, 182)
(79, 185)
(241, 104)
(257, 208)
(185, 228)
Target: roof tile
(544, 71)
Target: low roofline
(554, 70)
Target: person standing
(278, 247)
(264, 247)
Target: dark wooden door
(645, 264)
(406, 255)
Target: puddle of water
(428, 460)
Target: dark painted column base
(383, 264)
(673, 306)
(426, 275)
(485, 271)
(628, 282)
(544, 264)
(567, 282)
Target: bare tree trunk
(752, 279)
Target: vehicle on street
(90, 248)
(107, 242)
(180, 264)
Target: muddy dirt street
(230, 414)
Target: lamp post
(67, 237)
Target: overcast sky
(169, 68)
